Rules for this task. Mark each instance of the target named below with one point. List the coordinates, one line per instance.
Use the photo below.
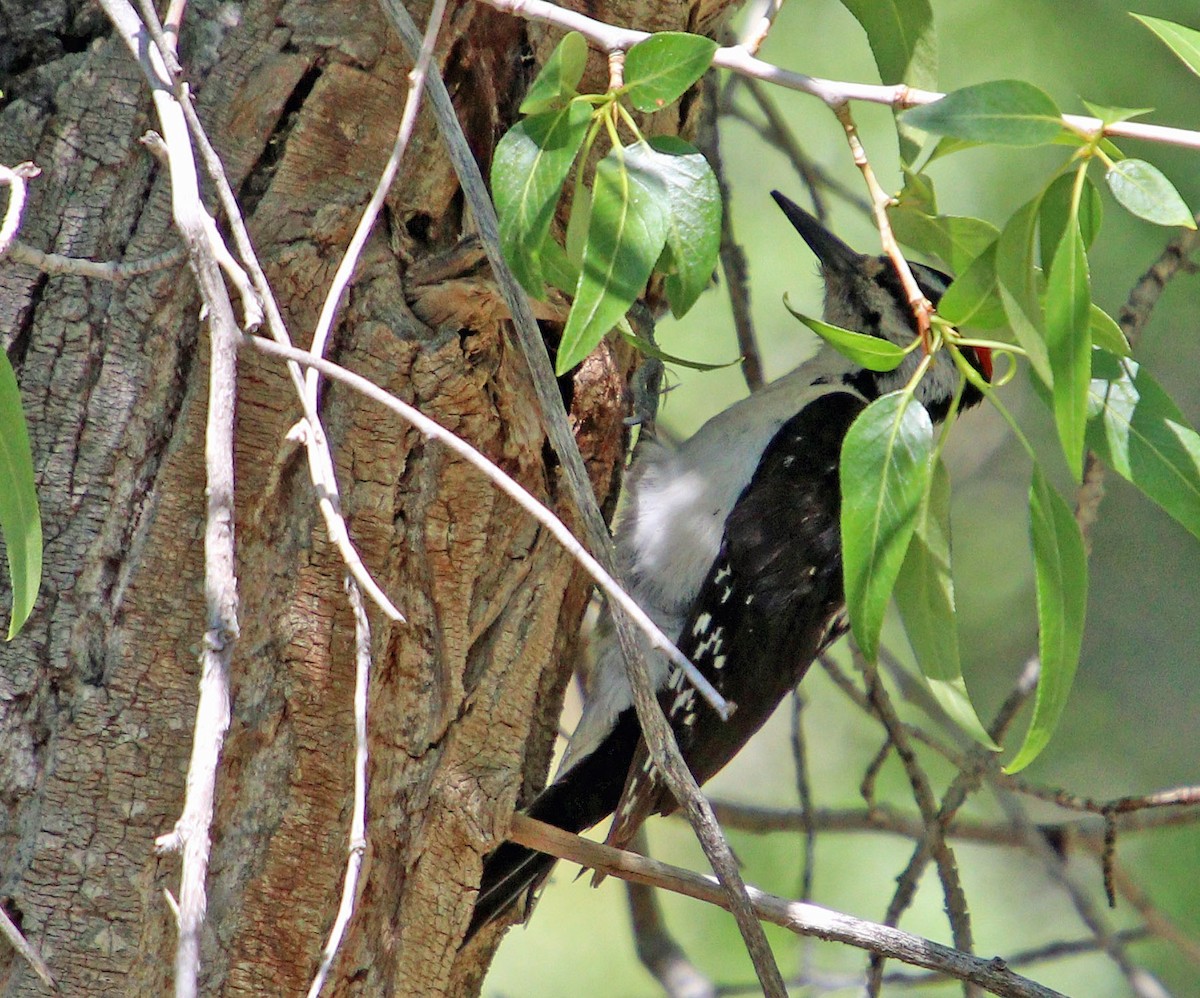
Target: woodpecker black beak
(834, 254)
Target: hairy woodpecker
(731, 543)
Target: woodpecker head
(863, 293)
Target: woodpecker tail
(581, 797)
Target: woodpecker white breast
(731, 543)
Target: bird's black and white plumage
(731, 543)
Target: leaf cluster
(653, 205)
(1026, 285)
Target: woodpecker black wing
(772, 601)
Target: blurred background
(1133, 722)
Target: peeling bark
(97, 695)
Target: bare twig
(733, 258)
(1086, 908)
(780, 135)
(1022, 958)
(759, 21)
(922, 308)
(935, 837)
(358, 823)
(310, 432)
(191, 832)
(1156, 921)
(804, 793)
(517, 492)
(659, 953)
(795, 916)
(117, 273)
(345, 270)
(1087, 832)
(15, 939)
(833, 92)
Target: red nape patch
(985, 361)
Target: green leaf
(693, 212)
(1060, 568)
(529, 168)
(1139, 432)
(918, 192)
(871, 352)
(1018, 283)
(626, 233)
(1184, 42)
(1056, 211)
(577, 225)
(1069, 343)
(20, 519)
(649, 349)
(660, 69)
(556, 83)
(902, 39)
(957, 240)
(884, 471)
(973, 298)
(948, 145)
(1106, 333)
(1112, 115)
(557, 267)
(1007, 112)
(1145, 192)
(925, 598)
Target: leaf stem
(989, 393)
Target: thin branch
(310, 433)
(29, 953)
(701, 815)
(832, 92)
(804, 793)
(191, 832)
(780, 135)
(1022, 958)
(345, 269)
(935, 837)
(658, 952)
(795, 916)
(922, 308)
(759, 21)
(117, 273)
(733, 258)
(533, 350)
(1056, 869)
(1156, 921)
(358, 823)
(1086, 832)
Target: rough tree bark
(97, 695)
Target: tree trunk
(98, 694)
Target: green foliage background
(1130, 726)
